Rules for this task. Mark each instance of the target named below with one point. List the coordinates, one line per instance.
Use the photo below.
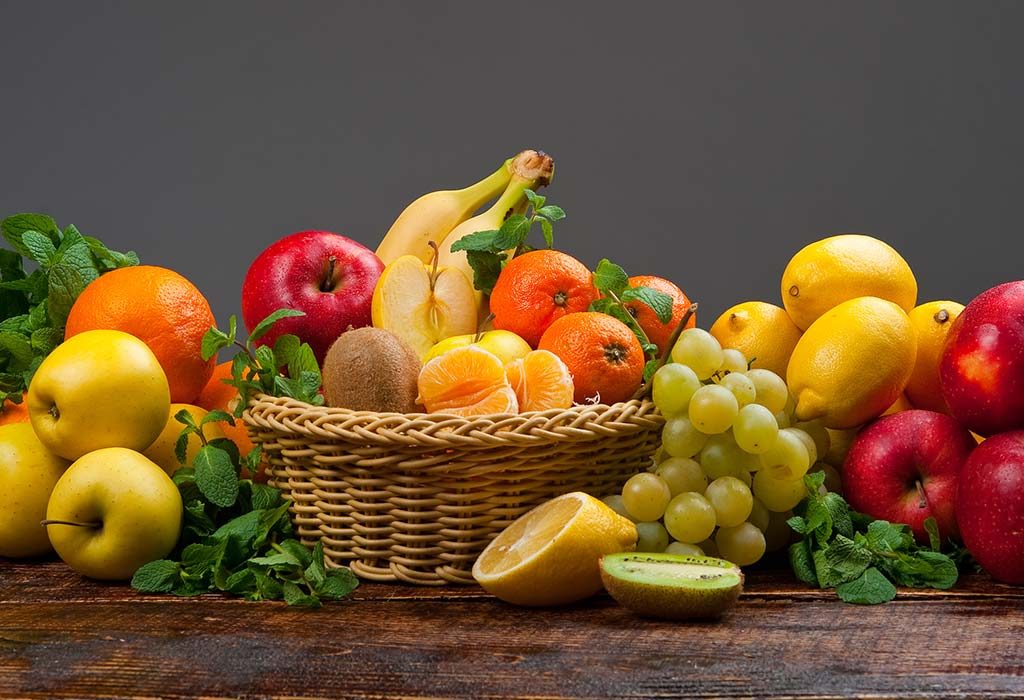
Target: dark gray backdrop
(705, 142)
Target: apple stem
(922, 494)
(480, 327)
(328, 282)
(55, 412)
(435, 259)
(93, 525)
(645, 388)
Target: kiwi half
(672, 586)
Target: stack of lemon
(850, 340)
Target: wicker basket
(416, 497)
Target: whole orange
(218, 396)
(159, 307)
(658, 332)
(602, 354)
(11, 412)
(536, 289)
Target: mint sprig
(863, 559)
(487, 251)
(237, 537)
(34, 306)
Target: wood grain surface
(62, 636)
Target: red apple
(325, 275)
(904, 468)
(982, 367)
(990, 506)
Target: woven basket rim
(438, 430)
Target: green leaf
(536, 200)
(159, 576)
(268, 587)
(197, 521)
(14, 228)
(650, 368)
(297, 550)
(798, 525)
(801, 562)
(293, 595)
(847, 559)
(214, 340)
(242, 582)
(943, 572)
(549, 232)
(661, 303)
(885, 536)
(277, 560)
(870, 588)
(265, 497)
(481, 241)
(610, 278)
(18, 347)
(512, 234)
(338, 584)
(40, 247)
(44, 340)
(814, 481)
(285, 348)
(839, 512)
(215, 416)
(266, 324)
(486, 268)
(70, 271)
(316, 572)
(181, 447)
(931, 526)
(303, 361)
(551, 212)
(216, 476)
(185, 417)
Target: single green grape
(759, 516)
(818, 433)
(733, 361)
(755, 429)
(721, 456)
(787, 459)
(731, 499)
(698, 350)
(645, 496)
(690, 518)
(651, 537)
(772, 392)
(743, 544)
(682, 474)
(674, 384)
(777, 495)
(741, 387)
(713, 408)
(681, 439)
(688, 550)
(614, 501)
(808, 441)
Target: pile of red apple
(918, 464)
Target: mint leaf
(551, 212)
(870, 588)
(214, 340)
(943, 571)
(481, 241)
(316, 572)
(846, 558)
(266, 324)
(610, 278)
(513, 233)
(549, 232)
(931, 526)
(215, 416)
(798, 525)
(216, 476)
(650, 367)
(661, 303)
(338, 584)
(802, 563)
(303, 361)
(18, 348)
(486, 268)
(14, 228)
(70, 270)
(40, 247)
(293, 595)
(159, 576)
(536, 200)
(285, 348)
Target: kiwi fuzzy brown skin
(671, 602)
(371, 369)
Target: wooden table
(62, 636)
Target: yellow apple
(98, 389)
(162, 450)
(505, 344)
(28, 472)
(423, 304)
(113, 511)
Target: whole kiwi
(371, 369)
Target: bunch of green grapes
(732, 461)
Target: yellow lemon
(902, 403)
(550, 555)
(931, 322)
(161, 452)
(762, 332)
(833, 270)
(505, 344)
(852, 363)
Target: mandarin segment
(159, 307)
(541, 381)
(536, 289)
(603, 356)
(467, 381)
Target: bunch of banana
(435, 216)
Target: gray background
(705, 142)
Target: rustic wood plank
(61, 636)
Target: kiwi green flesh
(672, 586)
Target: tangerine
(541, 381)
(656, 331)
(466, 381)
(536, 289)
(159, 307)
(11, 412)
(601, 352)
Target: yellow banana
(431, 217)
(530, 171)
